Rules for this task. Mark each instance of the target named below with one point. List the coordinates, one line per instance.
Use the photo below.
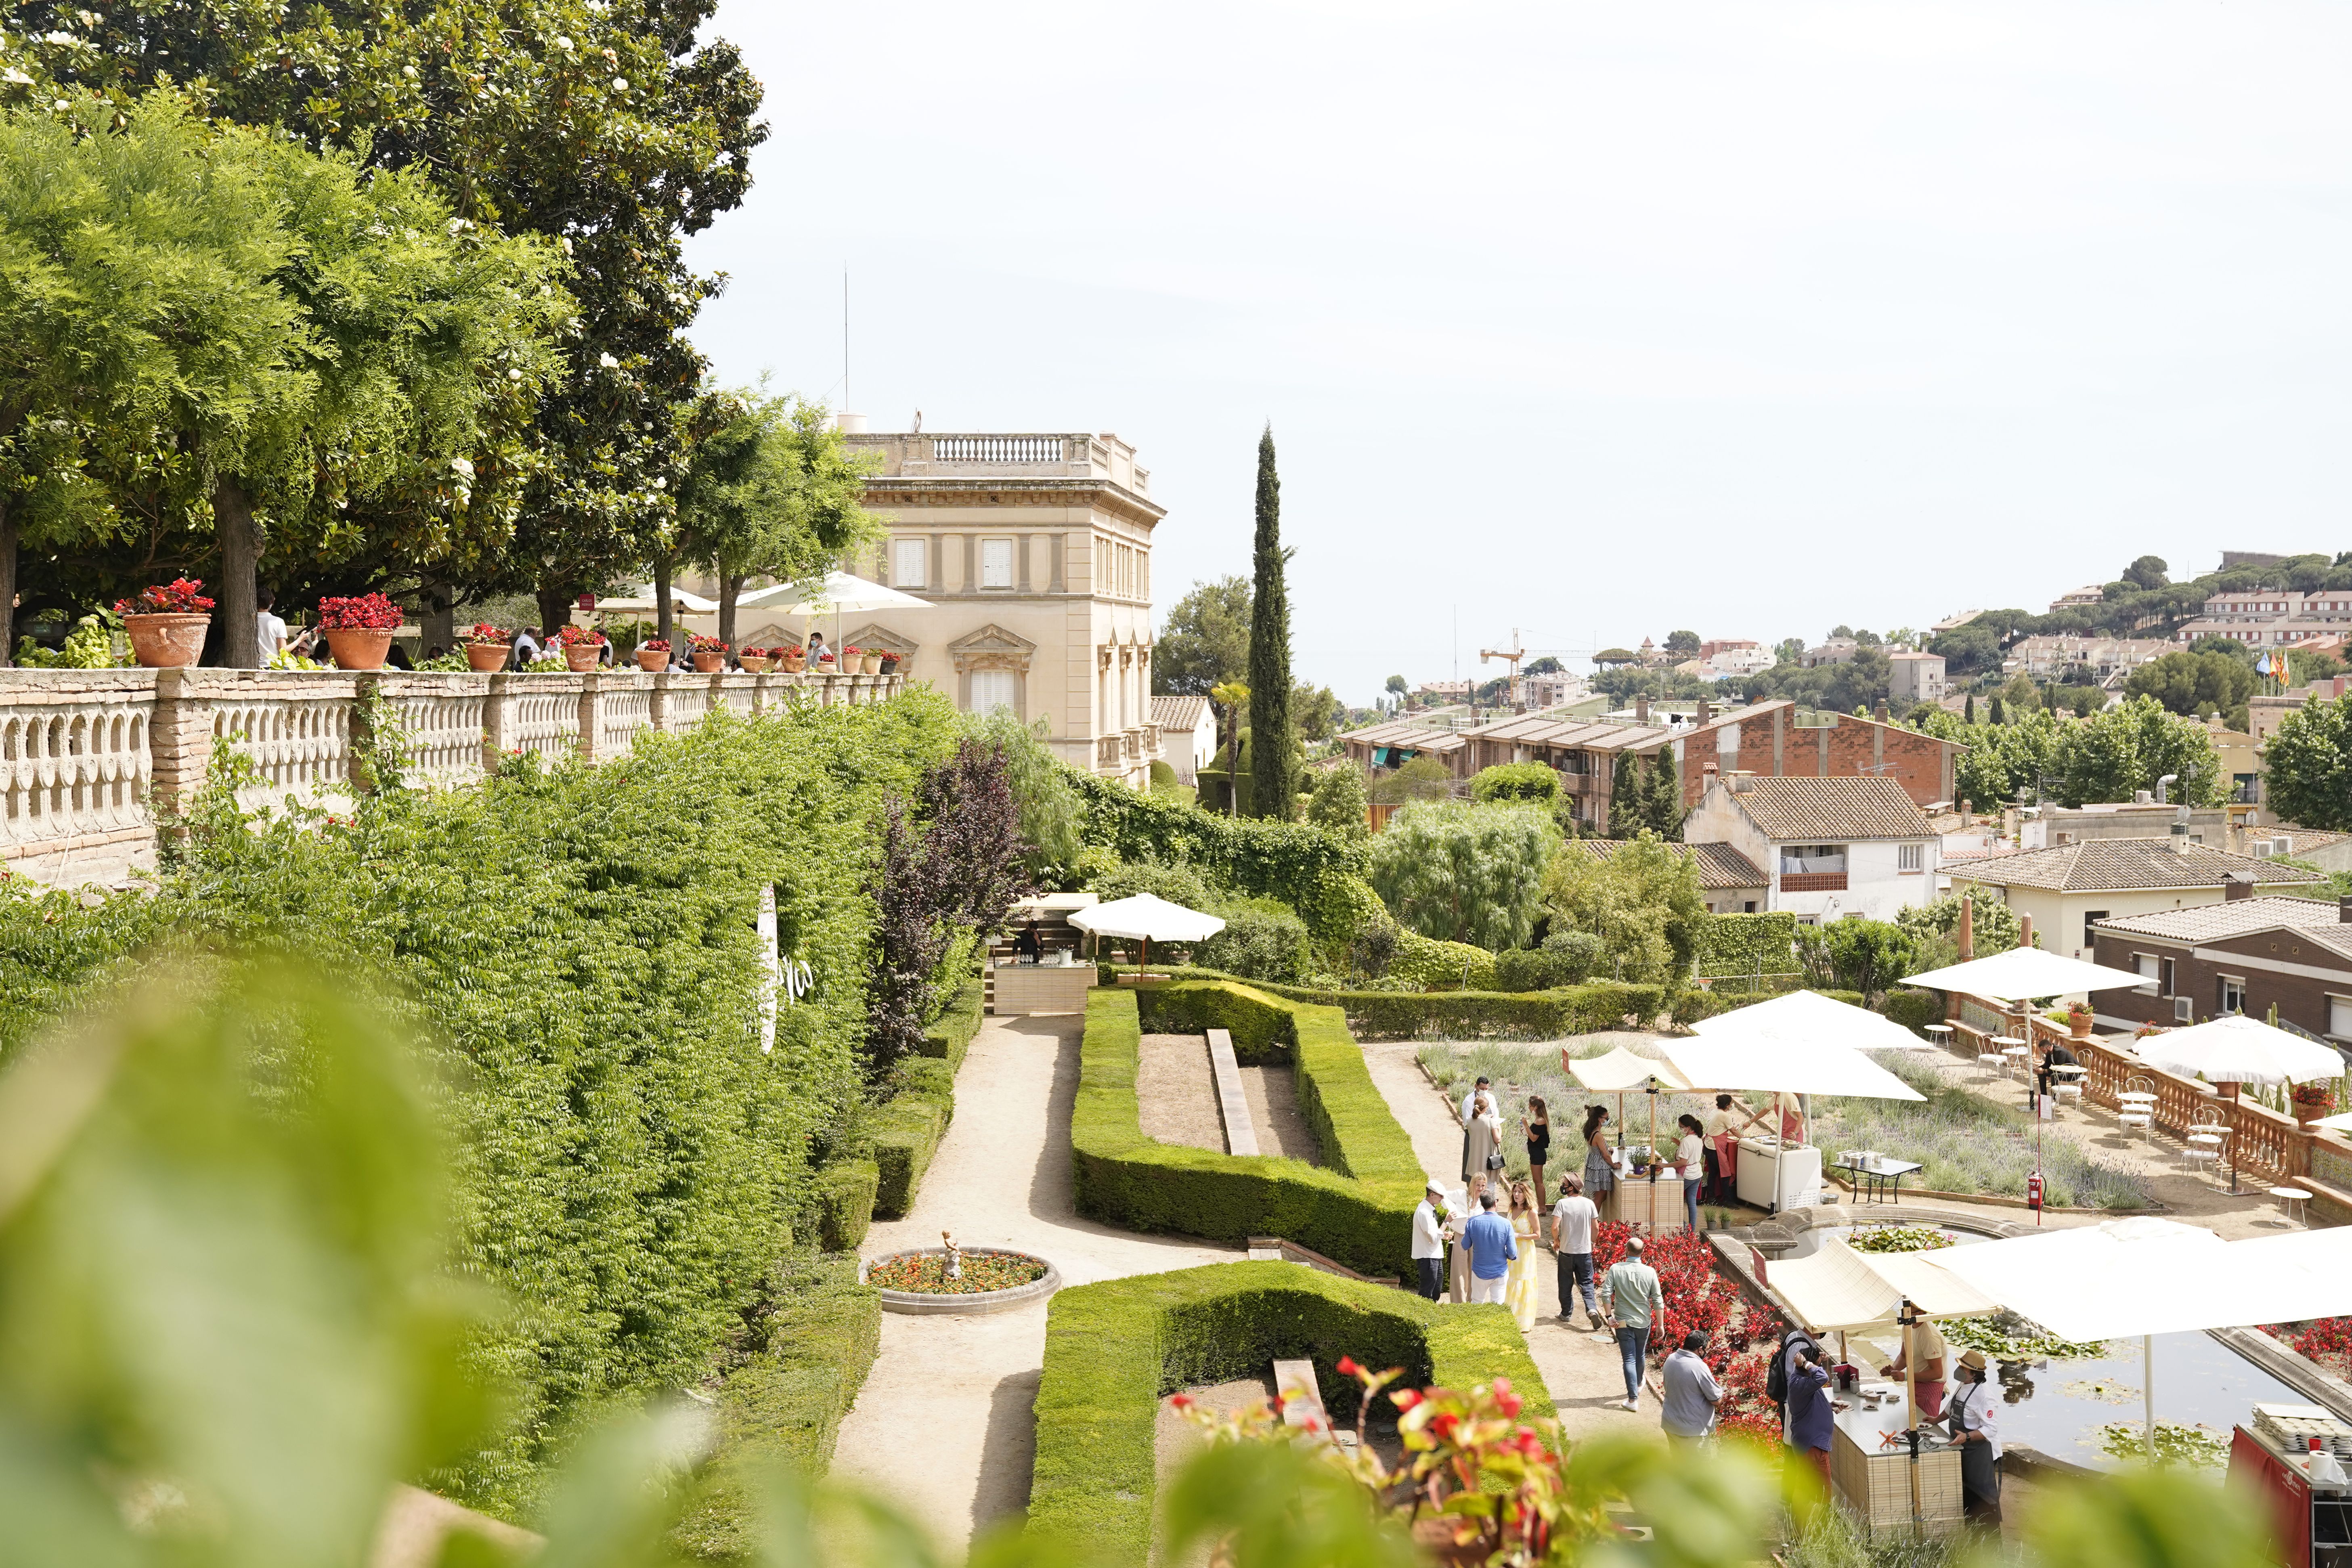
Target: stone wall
(87, 758)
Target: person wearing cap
(1973, 1416)
(1428, 1242)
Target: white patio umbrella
(1620, 1071)
(1808, 1016)
(643, 600)
(2339, 1122)
(840, 593)
(1840, 1288)
(2024, 971)
(1146, 919)
(1782, 1067)
(2238, 1049)
(2123, 1277)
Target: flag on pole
(2263, 664)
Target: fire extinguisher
(2034, 1196)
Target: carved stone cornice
(924, 491)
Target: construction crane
(1517, 651)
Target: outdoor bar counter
(1873, 1479)
(1656, 1206)
(1023, 988)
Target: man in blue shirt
(1492, 1250)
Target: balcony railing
(996, 449)
(87, 756)
(1812, 881)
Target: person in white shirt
(269, 629)
(1694, 1164)
(1429, 1242)
(1573, 1219)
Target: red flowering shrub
(580, 636)
(2327, 1341)
(483, 632)
(1741, 1335)
(656, 644)
(707, 644)
(368, 612)
(180, 596)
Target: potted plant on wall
(2312, 1101)
(358, 630)
(889, 662)
(584, 647)
(759, 661)
(167, 624)
(792, 658)
(709, 654)
(487, 648)
(2079, 1019)
(653, 654)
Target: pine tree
(1663, 794)
(1627, 808)
(1273, 773)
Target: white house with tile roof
(2069, 888)
(1830, 847)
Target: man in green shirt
(1631, 1300)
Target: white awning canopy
(2239, 1049)
(1622, 1071)
(2024, 971)
(1838, 1288)
(642, 601)
(2140, 1276)
(1776, 1066)
(1808, 1017)
(1145, 918)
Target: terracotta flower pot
(581, 658)
(166, 642)
(2080, 1022)
(483, 657)
(708, 663)
(359, 647)
(870, 663)
(794, 665)
(758, 663)
(653, 659)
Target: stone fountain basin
(923, 1303)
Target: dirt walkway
(945, 1424)
(1581, 1369)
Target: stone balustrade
(86, 757)
(2262, 1144)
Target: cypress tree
(1996, 709)
(1970, 716)
(1664, 795)
(1274, 763)
(1627, 808)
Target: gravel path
(945, 1424)
(1177, 1089)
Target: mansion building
(1035, 554)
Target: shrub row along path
(944, 1427)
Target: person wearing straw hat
(1428, 1242)
(1973, 1416)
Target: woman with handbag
(1486, 1153)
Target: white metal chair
(2138, 1103)
(2200, 1150)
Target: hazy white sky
(1593, 321)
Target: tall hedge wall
(1320, 873)
(582, 945)
(1357, 1208)
(1112, 1350)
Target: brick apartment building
(1766, 740)
(2246, 954)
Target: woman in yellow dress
(1519, 1285)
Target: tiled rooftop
(1803, 810)
(2100, 864)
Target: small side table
(2291, 1199)
(1875, 1177)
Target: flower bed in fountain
(989, 1279)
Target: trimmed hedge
(1357, 1208)
(845, 1202)
(1112, 1351)
(785, 1399)
(1462, 1015)
(1915, 1009)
